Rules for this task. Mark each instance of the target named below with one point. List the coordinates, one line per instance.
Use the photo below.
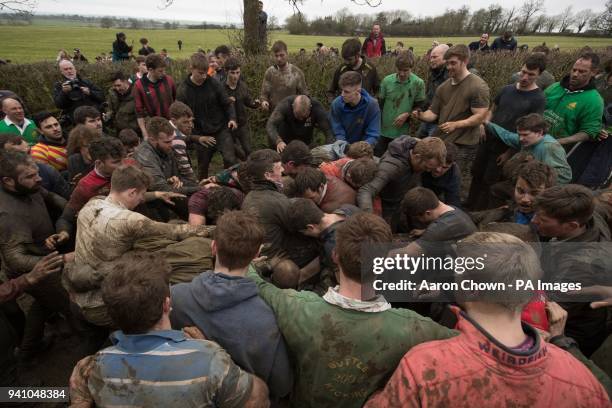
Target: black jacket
(270, 207)
(68, 102)
(394, 164)
(436, 77)
(211, 107)
(243, 100)
(369, 77)
(283, 125)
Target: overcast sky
(230, 10)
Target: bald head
(436, 58)
(67, 69)
(13, 109)
(301, 107)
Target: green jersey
(396, 98)
(341, 355)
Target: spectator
(51, 147)
(506, 42)
(140, 69)
(406, 156)
(353, 61)
(262, 25)
(52, 180)
(493, 322)
(164, 54)
(400, 94)
(224, 304)
(355, 115)
(222, 53)
(305, 319)
(511, 103)
(327, 192)
(90, 117)
(121, 51)
(157, 158)
(154, 92)
(121, 104)
(146, 49)
(574, 108)
(166, 364)
(181, 119)
(74, 91)
(214, 114)
(459, 121)
(566, 213)
(281, 79)
(482, 45)
(239, 93)
(532, 137)
(78, 56)
(25, 226)
(16, 123)
(374, 45)
(437, 75)
(295, 118)
(79, 160)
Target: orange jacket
(474, 370)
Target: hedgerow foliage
(34, 82)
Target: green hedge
(34, 82)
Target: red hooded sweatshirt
(475, 370)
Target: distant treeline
(529, 18)
(104, 22)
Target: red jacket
(371, 50)
(474, 370)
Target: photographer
(73, 91)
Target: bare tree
(509, 16)
(18, 6)
(527, 11)
(538, 23)
(582, 18)
(551, 23)
(566, 19)
(603, 21)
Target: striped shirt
(165, 369)
(154, 98)
(179, 145)
(53, 155)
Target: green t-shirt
(341, 356)
(399, 97)
(569, 112)
(30, 133)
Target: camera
(74, 84)
(75, 93)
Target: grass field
(22, 44)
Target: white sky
(230, 10)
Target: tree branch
(19, 6)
